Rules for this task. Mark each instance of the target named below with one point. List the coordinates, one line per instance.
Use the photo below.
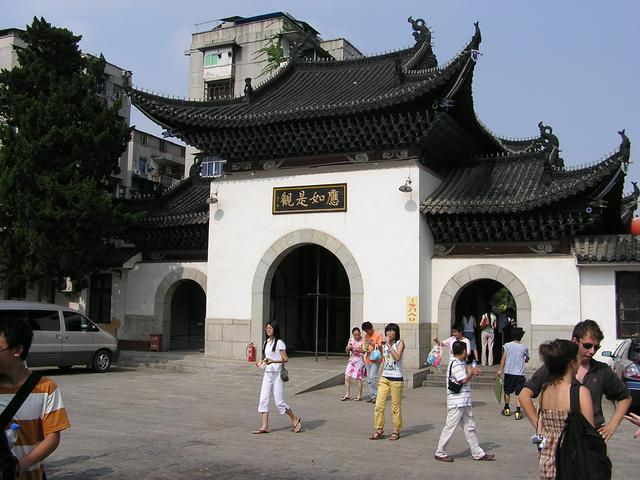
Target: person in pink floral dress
(355, 365)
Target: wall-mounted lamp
(406, 188)
(213, 198)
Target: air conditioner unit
(67, 285)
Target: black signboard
(310, 199)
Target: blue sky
(573, 64)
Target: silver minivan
(63, 337)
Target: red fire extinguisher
(251, 353)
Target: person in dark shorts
(514, 356)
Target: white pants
(272, 381)
(487, 346)
(462, 416)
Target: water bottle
(474, 365)
(12, 435)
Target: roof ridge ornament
(625, 145)
(248, 89)
(421, 33)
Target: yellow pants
(396, 388)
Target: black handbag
(9, 464)
(452, 385)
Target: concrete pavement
(148, 423)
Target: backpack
(581, 452)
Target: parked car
(626, 363)
(63, 337)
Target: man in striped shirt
(459, 407)
(42, 415)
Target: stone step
(306, 374)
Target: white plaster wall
(552, 283)
(381, 228)
(119, 290)
(144, 279)
(598, 299)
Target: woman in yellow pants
(391, 381)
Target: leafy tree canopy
(60, 142)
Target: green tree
(60, 142)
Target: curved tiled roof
(607, 249)
(515, 183)
(305, 89)
(118, 256)
(185, 204)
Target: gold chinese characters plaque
(412, 309)
(310, 199)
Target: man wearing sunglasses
(596, 376)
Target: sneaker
(506, 411)
(518, 415)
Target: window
(219, 89)
(211, 168)
(163, 146)
(12, 314)
(628, 303)
(100, 298)
(211, 59)
(143, 139)
(74, 322)
(142, 166)
(44, 320)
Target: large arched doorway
(479, 297)
(473, 274)
(310, 299)
(188, 309)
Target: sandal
(357, 399)
(259, 431)
(394, 436)
(345, 398)
(298, 425)
(376, 435)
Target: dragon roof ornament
(421, 33)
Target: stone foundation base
(227, 338)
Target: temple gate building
(367, 189)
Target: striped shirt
(41, 414)
(458, 373)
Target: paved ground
(139, 423)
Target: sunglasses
(589, 346)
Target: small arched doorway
(310, 299)
(477, 298)
(188, 309)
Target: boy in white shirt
(457, 335)
(459, 407)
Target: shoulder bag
(452, 385)
(284, 373)
(581, 452)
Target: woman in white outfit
(274, 356)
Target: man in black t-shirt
(596, 376)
